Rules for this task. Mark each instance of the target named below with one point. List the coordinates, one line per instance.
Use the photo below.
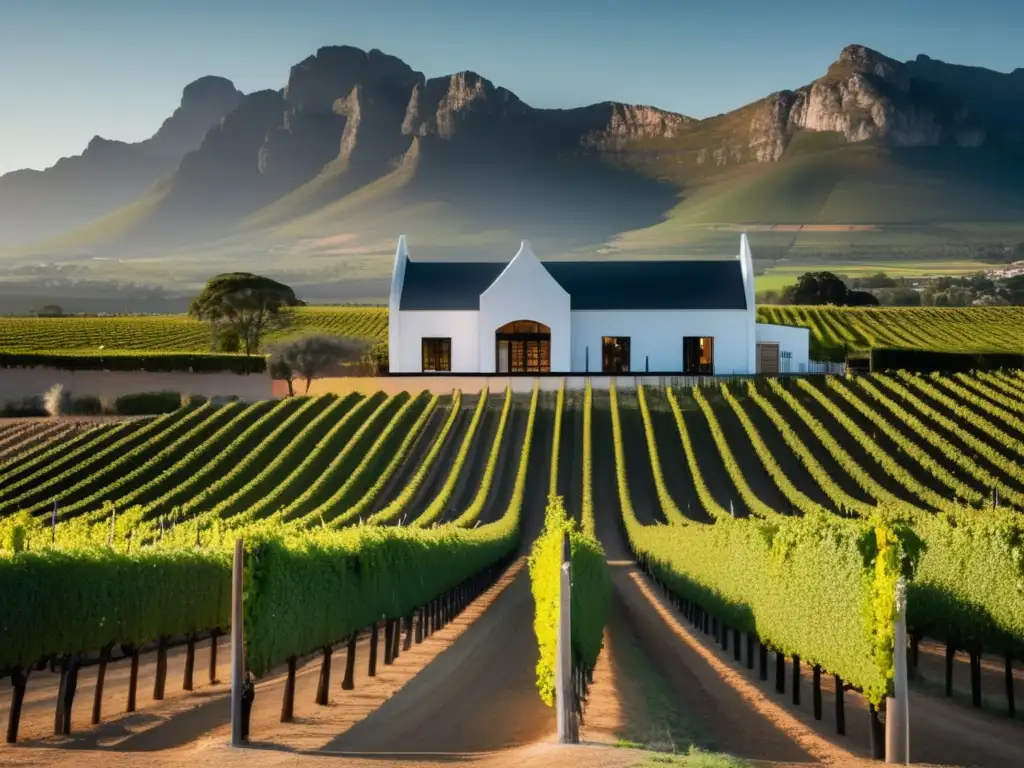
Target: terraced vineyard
(951, 329)
(779, 511)
(948, 329)
(170, 333)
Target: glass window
(698, 355)
(437, 355)
(615, 354)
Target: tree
(243, 304)
(308, 357)
(817, 288)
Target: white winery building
(575, 317)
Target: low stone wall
(19, 383)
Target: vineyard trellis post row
(567, 734)
(897, 708)
(237, 649)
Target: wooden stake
(161, 669)
(19, 680)
(213, 657)
(349, 682)
(780, 672)
(816, 691)
(238, 735)
(288, 703)
(840, 708)
(796, 679)
(323, 687)
(190, 662)
(564, 701)
(101, 673)
(389, 632)
(133, 680)
(897, 707)
(372, 670)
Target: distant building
(612, 317)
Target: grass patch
(694, 758)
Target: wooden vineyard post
(323, 687)
(213, 656)
(19, 679)
(288, 703)
(897, 707)
(190, 663)
(796, 679)
(374, 642)
(237, 659)
(840, 706)
(389, 634)
(349, 681)
(161, 669)
(101, 673)
(567, 733)
(816, 691)
(396, 634)
(133, 679)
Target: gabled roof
(608, 285)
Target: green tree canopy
(825, 288)
(243, 304)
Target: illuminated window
(437, 355)
(615, 354)
(698, 354)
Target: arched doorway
(523, 346)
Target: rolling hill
(875, 158)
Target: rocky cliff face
(867, 96)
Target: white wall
(790, 339)
(394, 298)
(458, 325)
(658, 335)
(525, 290)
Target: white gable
(525, 290)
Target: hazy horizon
(116, 69)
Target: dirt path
(479, 695)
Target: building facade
(572, 317)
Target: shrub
(147, 403)
(86, 405)
(26, 407)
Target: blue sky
(73, 69)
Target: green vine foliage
(591, 594)
(64, 601)
(805, 585)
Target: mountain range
(358, 147)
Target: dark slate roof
(441, 285)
